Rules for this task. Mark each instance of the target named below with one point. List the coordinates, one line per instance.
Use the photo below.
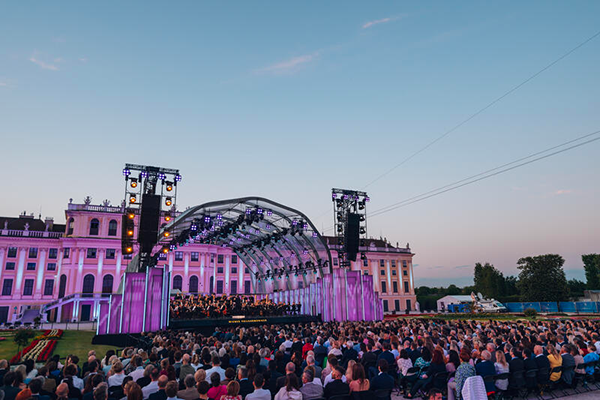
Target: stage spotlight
(126, 172)
(363, 231)
(167, 234)
(165, 250)
(129, 250)
(340, 228)
(168, 201)
(133, 182)
(169, 186)
(177, 178)
(361, 205)
(340, 215)
(132, 198)
(167, 217)
(130, 232)
(130, 215)
(362, 218)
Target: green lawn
(72, 342)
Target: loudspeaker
(149, 219)
(352, 236)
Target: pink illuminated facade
(42, 262)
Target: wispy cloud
(370, 24)
(563, 191)
(461, 266)
(7, 83)
(43, 64)
(83, 59)
(290, 65)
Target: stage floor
(201, 324)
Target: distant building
(41, 262)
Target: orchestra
(213, 306)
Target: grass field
(72, 342)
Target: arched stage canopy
(279, 244)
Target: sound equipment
(352, 235)
(149, 219)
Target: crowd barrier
(586, 307)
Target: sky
(287, 100)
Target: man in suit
(245, 384)
(161, 394)
(274, 376)
(568, 364)
(190, 392)
(259, 393)
(320, 352)
(529, 364)
(337, 387)
(486, 368)
(388, 356)
(310, 390)
(369, 361)
(543, 365)
(516, 365)
(382, 380)
(349, 354)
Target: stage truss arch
(280, 245)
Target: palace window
(33, 252)
(53, 254)
(7, 287)
(10, 266)
(91, 253)
(28, 287)
(179, 256)
(194, 256)
(112, 228)
(234, 259)
(30, 266)
(395, 286)
(51, 267)
(406, 290)
(66, 252)
(220, 259)
(48, 287)
(177, 282)
(110, 254)
(94, 227)
(383, 287)
(12, 252)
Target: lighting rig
(147, 190)
(242, 238)
(350, 223)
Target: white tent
(452, 299)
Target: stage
(206, 326)
(202, 324)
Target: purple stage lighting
(269, 213)
(178, 178)
(144, 174)
(162, 176)
(126, 172)
(315, 234)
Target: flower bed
(41, 347)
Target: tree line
(540, 278)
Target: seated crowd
(319, 361)
(213, 306)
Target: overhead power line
(481, 110)
(537, 156)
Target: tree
(21, 338)
(591, 264)
(489, 281)
(576, 287)
(542, 278)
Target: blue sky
(289, 100)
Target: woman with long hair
(453, 361)
(501, 368)
(555, 361)
(359, 382)
(290, 390)
(437, 365)
(133, 391)
(349, 370)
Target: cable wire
(472, 116)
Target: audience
(320, 360)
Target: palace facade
(41, 262)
